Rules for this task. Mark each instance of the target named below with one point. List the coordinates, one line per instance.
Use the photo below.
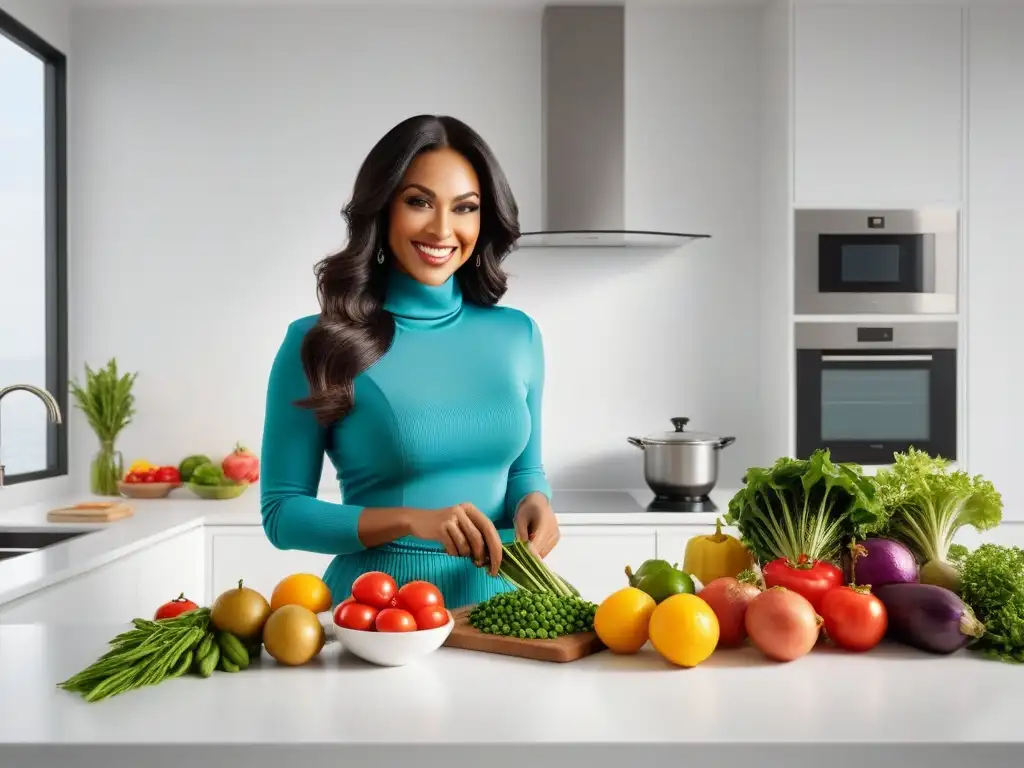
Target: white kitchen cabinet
(594, 558)
(132, 586)
(878, 113)
(995, 263)
(244, 552)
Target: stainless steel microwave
(898, 262)
(866, 391)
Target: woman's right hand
(463, 531)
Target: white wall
(213, 149)
(50, 19)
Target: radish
(241, 465)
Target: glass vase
(106, 470)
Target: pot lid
(679, 435)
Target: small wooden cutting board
(562, 649)
(91, 512)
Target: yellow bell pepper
(712, 557)
(141, 465)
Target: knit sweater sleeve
(292, 460)
(526, 475)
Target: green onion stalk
(524, 570)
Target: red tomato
(855, 620)
(812, 580)
(348, 599)
(419, 594)
(355, 616)
(175, 607)
(132, 477)
(374, 588)
(395, 620)
(431, 617)
(167, 475)
(146, 476)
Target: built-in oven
(876, 262)
(867, 391)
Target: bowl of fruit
(389, 625)
(149, 481)
(208, 481)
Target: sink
(17, 541)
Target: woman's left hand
(535, 522)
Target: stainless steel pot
(679, 464)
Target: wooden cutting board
(91, 512)
(562, 649)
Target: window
(33, 252)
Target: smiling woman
(425, 395)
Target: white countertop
(889, 697)
(159, 519)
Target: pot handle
(636, 441)
(725, 442)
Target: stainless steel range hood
(585, 135)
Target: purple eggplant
(880, 562)
(928, 617)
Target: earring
(478, 259)
(380, 255)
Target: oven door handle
(876, 358)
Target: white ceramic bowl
(393, 649)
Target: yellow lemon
(621, 620)
(684, 630)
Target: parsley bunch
(992, 584)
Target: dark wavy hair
(354, 330)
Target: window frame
(56, 244)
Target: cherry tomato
(374, 588)
(175, 607)
(855, 620)
(419, 594)
(355, 616)
(132, 477)
(395, 620)
(431, 617)
(811, 580)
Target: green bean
(149, 654)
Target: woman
(424, 394)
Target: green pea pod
(208, 663)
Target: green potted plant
(108, 404)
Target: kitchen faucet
(52, 411)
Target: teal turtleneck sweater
(450, 414)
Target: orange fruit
(621, 620)
(684, 630)
(303, 589)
